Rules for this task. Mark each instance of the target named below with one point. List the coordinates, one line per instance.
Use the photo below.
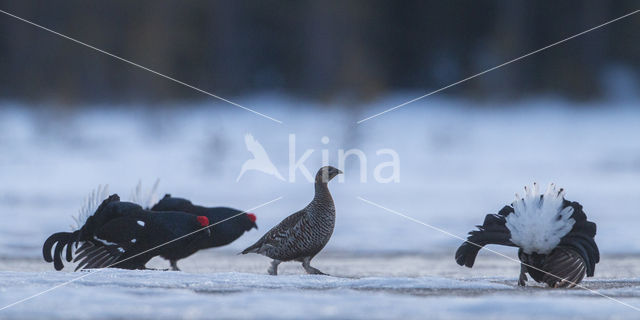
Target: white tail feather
(145, 200)
(539, 222)
(90, 205)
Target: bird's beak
(340, 171)
(255, 226)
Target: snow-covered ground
(219, 285)
(458, 161)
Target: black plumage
(304, 234)
(564, 265)
(228, 224)
(124, 235)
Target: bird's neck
(223, 236)
(321, 188)
(322, 196)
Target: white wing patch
(141, 223)
(539, 221)
(105, 242)
(108, 243)
(90, 205)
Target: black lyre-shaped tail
(57, 243)
(492, 231)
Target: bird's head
(203, 222)
(325, 174)
(250, 221)
(234, 219)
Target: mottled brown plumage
(302, 235)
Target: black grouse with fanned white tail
(555, 239)
(124, 235)
(302, 235)
(227, 224)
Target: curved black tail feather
(581, 238)
(586, 246)
(57, 242)
(492, 231)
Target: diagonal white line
(495, 252)
(140, 66)
(156, 247)
(497, 67)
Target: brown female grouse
(303, 234)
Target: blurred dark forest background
(315, 49)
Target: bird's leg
(306, 264)
(522, 281)
(174, 265)
(273, 269)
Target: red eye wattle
(252, 217)
(204, 221)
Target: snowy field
(458, 162)
(214, 285)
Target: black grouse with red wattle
(227, 224)
(124, 235)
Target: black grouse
(228, 224)
(124, 235)
(303, 234)
(555, 239)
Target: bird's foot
(273, 269)
(311, 270)
(306, 264)
(522, 281)
(174, 266)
